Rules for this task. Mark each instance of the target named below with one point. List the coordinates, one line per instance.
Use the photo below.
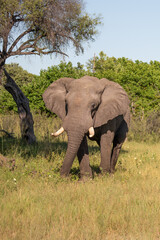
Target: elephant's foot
(105, 171)
(105, 168)
(112, 171)
(64, 173)
(85, 176)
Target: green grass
(36, 203)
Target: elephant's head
(83, 104)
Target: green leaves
(140, 79)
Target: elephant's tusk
(56, 134)
(91, 132)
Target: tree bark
(26, 119)
(2, 62)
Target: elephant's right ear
(54, 96)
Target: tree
(40, 27)
(43, 26)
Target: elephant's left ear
(114, 102)
(54, 96)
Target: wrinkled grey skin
(86, 102)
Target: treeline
(140, 79)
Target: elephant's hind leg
(83, 158)
(115, 153)
(117, 144)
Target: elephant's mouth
(61, 130)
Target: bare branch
(38, 52)
(18, 39)
(5, 42)
(67, 36)
(28, 43)
(24, 53)
(7, 133)
(54, 51)
(25, 45)
(17, 18)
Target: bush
(141, 80)
(145, 128)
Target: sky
(131, 29)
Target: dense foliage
(140, 79)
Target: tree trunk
(2, 62)
(26, 119)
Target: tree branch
(31, 45)
(7, 28)
(7, 133)
(16, 19)
(5, 42)
(26, 45)
(69, 37)
(18, 39)
(24, 53)
(37, 52)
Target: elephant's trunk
(76, 128)
(74, 140)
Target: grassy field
(36, 203)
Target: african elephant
(90, 107)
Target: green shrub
(141, 81)
(145, 128)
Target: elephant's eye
(93, 105)
(93, 109)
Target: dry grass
(35, 203)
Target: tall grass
(36, 203)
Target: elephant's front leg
(106, 147)
(83, 158)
